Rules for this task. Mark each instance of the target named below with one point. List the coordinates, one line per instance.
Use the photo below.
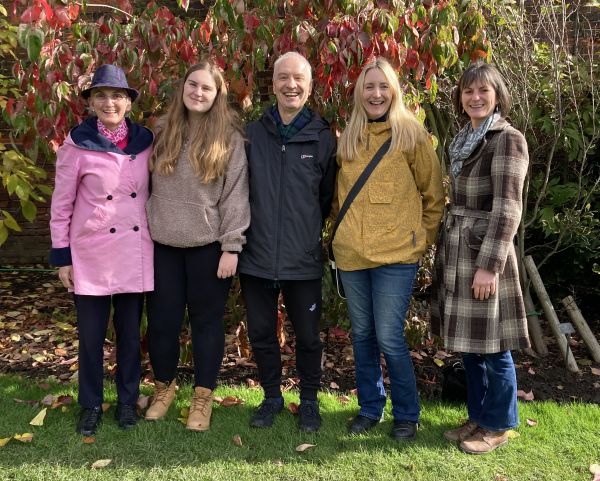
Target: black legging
(187, 277)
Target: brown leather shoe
(164, 393)
(483, 441)
(462, 432)
(200, 410)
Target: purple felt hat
(109, 76)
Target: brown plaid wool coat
(479, 230)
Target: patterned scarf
(115, 136)
(466, 141)
(288, 131)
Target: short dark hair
(487, 74)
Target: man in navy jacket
(291, 158)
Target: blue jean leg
(377, 303)
(492, 390)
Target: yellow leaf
(4, 441)
(512, 434)
(237, 440)
(15, 337)
(184, 413)
(182, 420)
(303, 447)
(24, 438)
(439, 362)
(39, 419)
(101, 463)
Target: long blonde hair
(209, 138)
(406, 129)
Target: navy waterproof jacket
(291, 190)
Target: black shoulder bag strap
(356, 188)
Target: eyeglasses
(116, 97)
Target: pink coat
(98, 211)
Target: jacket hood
(312, 130)
(86, 136)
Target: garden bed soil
(38, 340)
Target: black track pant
(303, 304)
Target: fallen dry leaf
(559, 387)
(278, 462)
(293, 408)
(184, 412)
(343, 399)
(303, 447)
(531, 422)
(500, 477)
(24, 438)
(334, 385)
(101, 463)
(229, 401)
(38, 420)
(525, 396)
(531, 371)
(595, 371)
(237, 440)
(49, 399)
(512, 434)
(89, 440)
(4, 441)
(105, 407)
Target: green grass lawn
(561, 447)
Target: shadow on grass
(167, 444)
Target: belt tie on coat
(454, 238)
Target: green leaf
(3, 233)
(29, 210)
(35, 39)
(11, 185)
(10, 222)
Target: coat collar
(86, 136)
(309, 132)
(500, 125)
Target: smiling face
(478, 101)
(291, 85)
(199, 92)
(376, 94)
(110, 105)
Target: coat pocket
(380, 209)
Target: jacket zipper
(279, 213)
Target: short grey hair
(296, 55)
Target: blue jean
(492, 390)
(377, 303)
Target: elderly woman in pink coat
(100, 240)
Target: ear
(128, 106)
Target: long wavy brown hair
(209, 137)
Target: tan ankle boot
(200, 410)
(483, 441)
(164, 393)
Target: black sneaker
(89, 419)
(404, 430)
(265, 415)
(126, 415)
(309, 419)
(361, 424)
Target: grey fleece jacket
(184, 212)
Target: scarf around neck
(466, 141)
(115, 136)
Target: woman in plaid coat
(478, 305)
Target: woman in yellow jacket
(381, 238)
